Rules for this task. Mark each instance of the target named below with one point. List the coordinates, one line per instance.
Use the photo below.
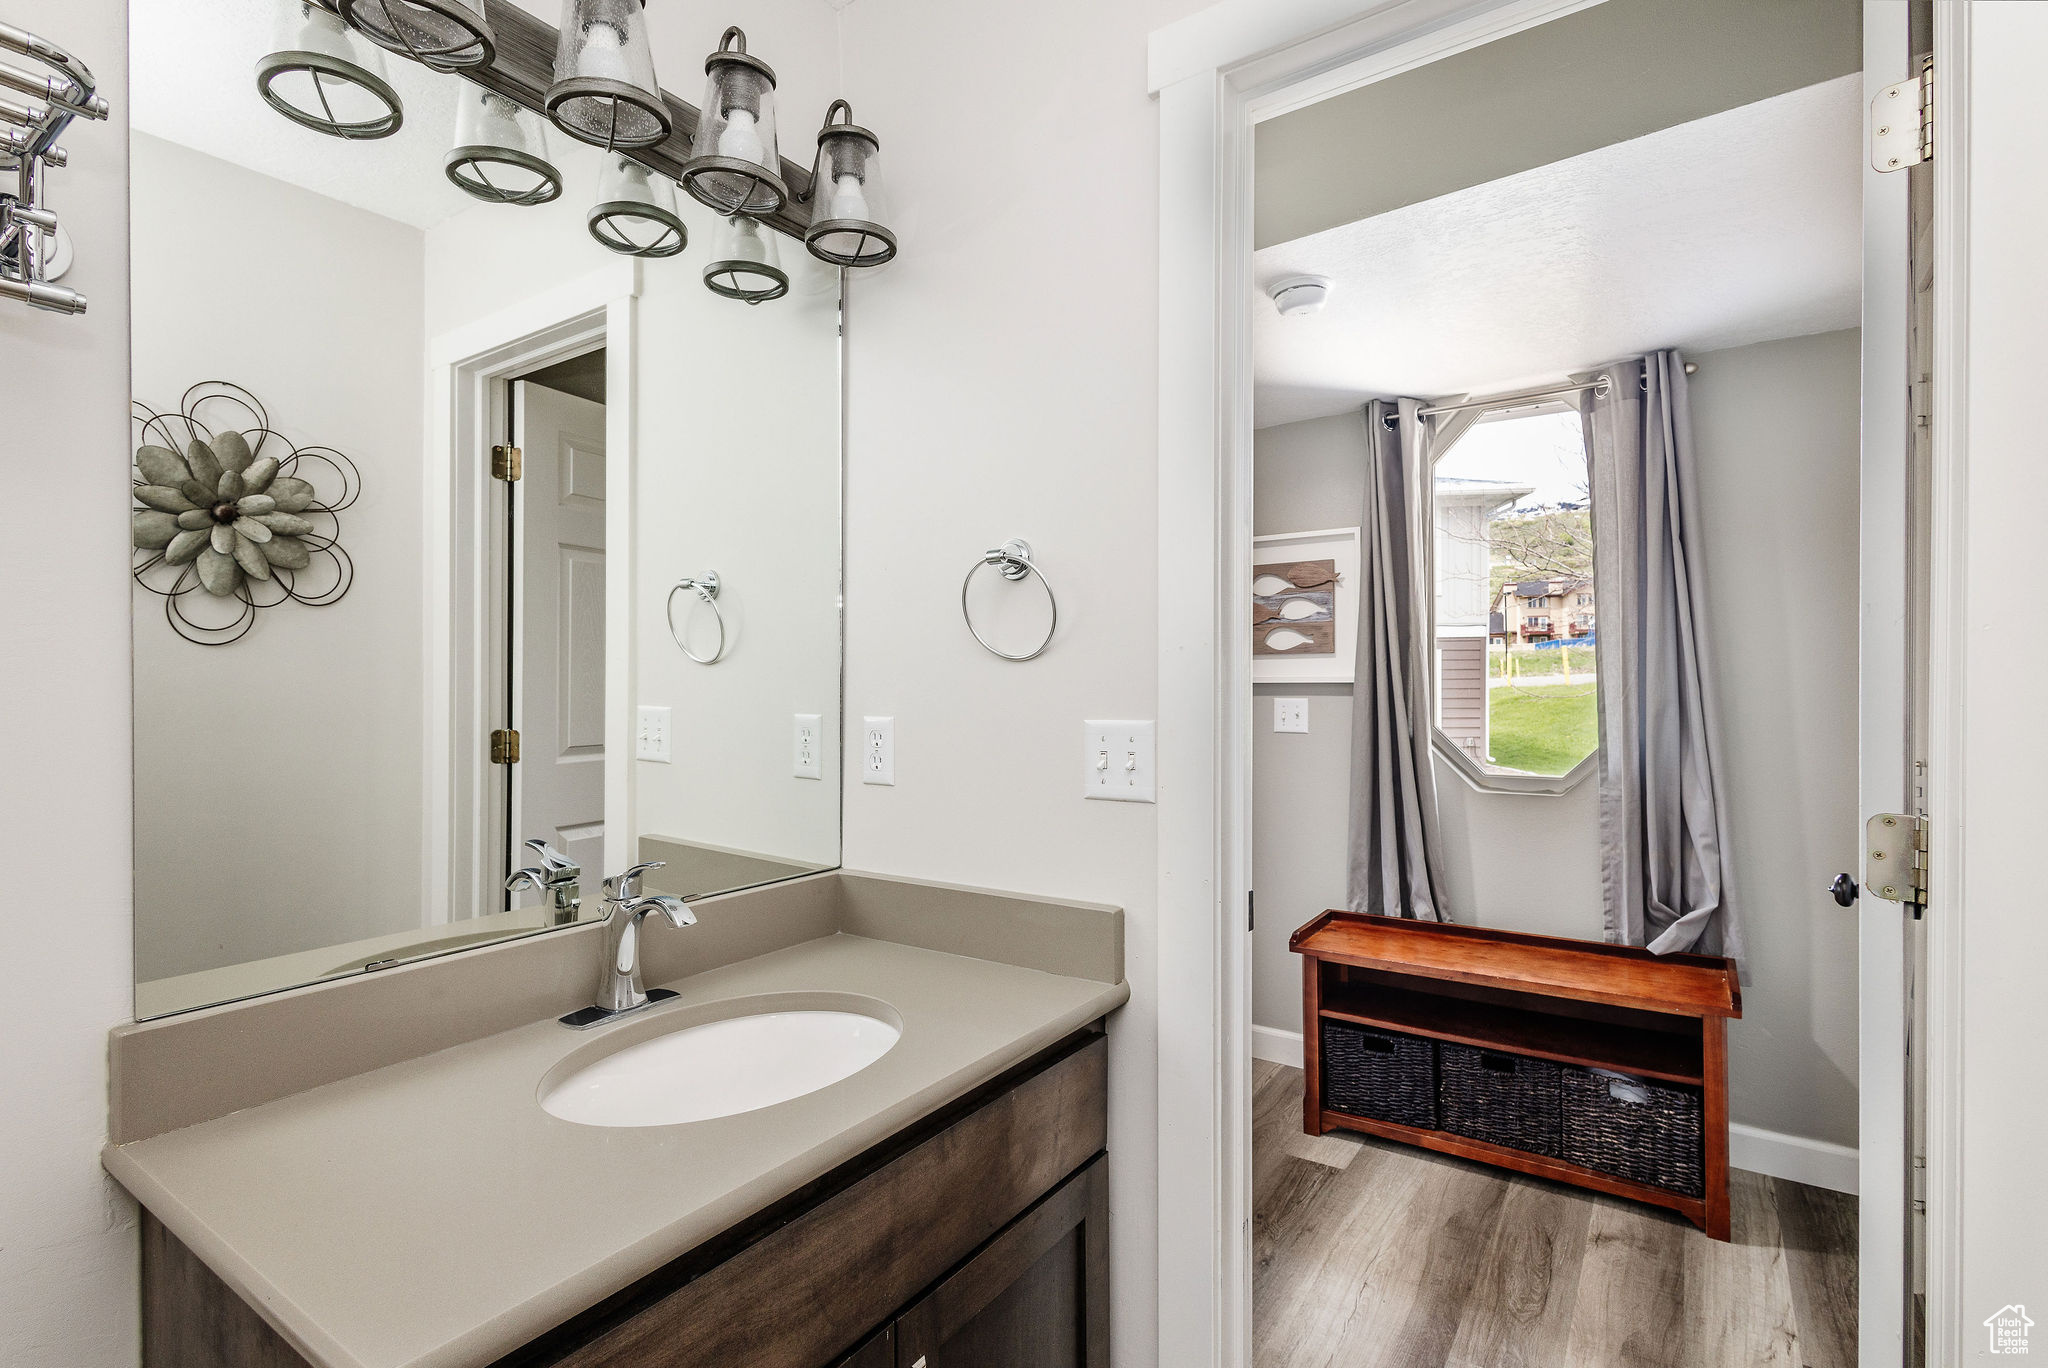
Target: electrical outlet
(1290, 714)
(807, 762)
(1120, 762)
(878, 750)
(652, 741)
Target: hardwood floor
(1369, 1254)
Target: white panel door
(558, 703)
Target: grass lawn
(1543, 729)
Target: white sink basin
(721, 1068)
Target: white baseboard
(1817, 1163)
(1276, 1046)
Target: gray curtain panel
(1664, 859)
(1396, 859)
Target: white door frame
(467, 406)
(1216, 74)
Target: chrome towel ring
(706, 589)
(1013, 561)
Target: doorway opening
(553, 572)
(1478, 250)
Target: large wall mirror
(370, 669)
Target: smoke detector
(1301, 294)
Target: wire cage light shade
(501, 150)
(744, 263)
(320, 77)
(635, 213)
(848, 209)
(605, 91)
(734, 166)
(446, 35)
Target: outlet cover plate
(806, 762)
(1290, 714)
(1120, 762)
(878, 750)
(651, 742)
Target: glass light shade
(501, 150)
(635, 213)
(605, 91)
(744, 263)
(321, 78)
(848, 207)
(734, 166)
(443, 34)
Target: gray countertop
(429, 1214)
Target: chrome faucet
(619, 989)
(554, 878)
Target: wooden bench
(1582, 1003)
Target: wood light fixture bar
(524, 68)
(1582, 1003)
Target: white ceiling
(1732, 229)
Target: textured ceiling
(1732, 229)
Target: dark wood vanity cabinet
(977, 1238)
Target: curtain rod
(1526, 396)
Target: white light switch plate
(652, 743)
(1120, 762)
(806, 763)
(878, 750)
(1290, 714)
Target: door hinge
(1895, 858)
(1902, 122)
(504, 747)
(505, 463)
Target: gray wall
(1777, 426)
(1438, 128)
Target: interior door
(1892, 700)
(558, 617)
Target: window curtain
(1396, 857)
(1664, 860)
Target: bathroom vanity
(946, 1203)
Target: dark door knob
(1844, 888)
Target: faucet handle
(551, 860)
(675, 909)
(624, 887)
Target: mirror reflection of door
(558, 607)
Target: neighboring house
(1546, 610)
(1464, 594)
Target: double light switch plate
(1120, 762)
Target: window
(1516, 699)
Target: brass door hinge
(504, 747)
(1902, 122)
(505, 463)
(1895, 858)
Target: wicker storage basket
(1383, 1075)
(1502, 1099)
(1635, 1128)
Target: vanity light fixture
(501, 150)
(320, 77)
(744, 264)
(846, 190)
(635, 213)
(605, 91)
(445, 35)
(734, 166)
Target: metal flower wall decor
(227, 509)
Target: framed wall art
(1305, 607)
